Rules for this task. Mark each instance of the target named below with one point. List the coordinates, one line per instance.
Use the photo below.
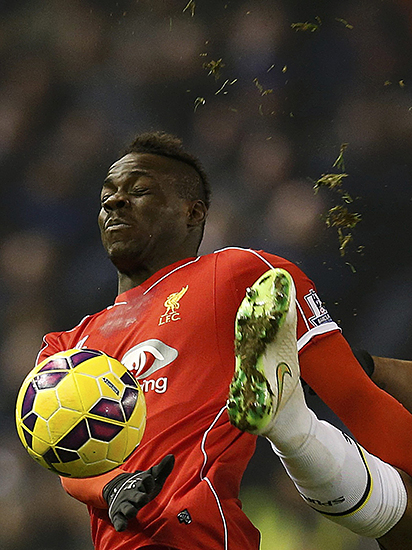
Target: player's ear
(196, 213)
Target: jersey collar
(151, 282)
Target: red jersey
(175, 333)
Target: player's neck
(129, 280)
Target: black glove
(128, 492)
(365, 359)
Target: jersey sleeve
(245, 266)
(378, 421)
(53, 342)
(89, 490)
(51, 345)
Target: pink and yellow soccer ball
(80, 413)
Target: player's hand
(127, 493)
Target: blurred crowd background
(265, 92)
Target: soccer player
(172, 325)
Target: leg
(332, 473)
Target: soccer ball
(80, 413)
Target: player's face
(142, 219)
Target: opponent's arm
(392, 375)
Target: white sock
(333, 474)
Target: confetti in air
(339, 216)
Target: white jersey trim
(170, 272)
(299, 308)
(41, 350)
(202, 445)
(205, 478)
(321, 329)
(222, 515)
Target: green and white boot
(267, 368)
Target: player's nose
(116, 201)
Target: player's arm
(392, 375)
(89, 490)
(123, 493)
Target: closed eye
(138, 191)
(105, 197)
(132, 185)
